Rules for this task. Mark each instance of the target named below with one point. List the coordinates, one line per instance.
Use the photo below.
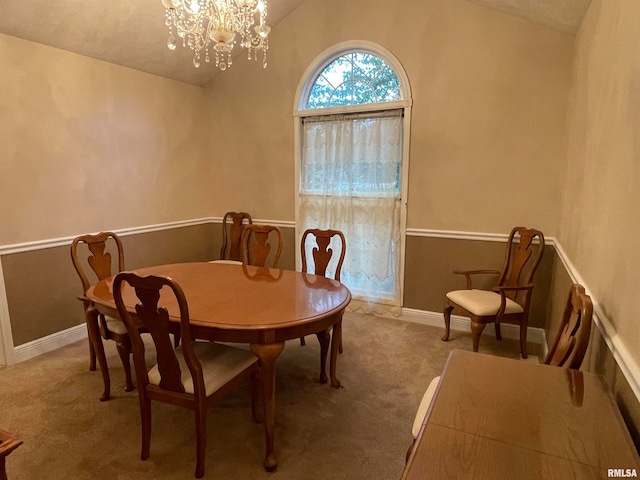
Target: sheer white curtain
(350, 181)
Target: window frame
(315, 68)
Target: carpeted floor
(360, 431)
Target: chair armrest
(468, 273)
(503, 297)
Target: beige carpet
(360, 431)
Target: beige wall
(489, 92)
(86, 146)
(602, 186)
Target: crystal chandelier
(218, 25)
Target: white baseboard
(51, 342)
(463, 324)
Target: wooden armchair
(322, 255)
(195, 375)
(99, 260)
(572, 340)
(231, 235)
(511, 299)
(256, 245)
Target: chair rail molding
(9, 353)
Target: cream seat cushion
(424, 406)
(228, 262)
(482, 303)
(115, 325)
(220, 363)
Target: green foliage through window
(355, 79)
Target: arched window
(351, 120)
(356, 78)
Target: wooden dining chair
(511, 298)
(195, 375)
(8, 443)
(257, 242)
(100, 260)
(322, 256)
(233, 224)
(573, 335)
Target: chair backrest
(322, 254)
(256, 247)
(572, 340)
(99, 260)
(522, 258)
(232, 234)
(150, 292)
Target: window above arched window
(356, 78)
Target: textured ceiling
(563, 14)
(132, 33)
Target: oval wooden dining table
(260, 306)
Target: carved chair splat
(256, 245)
(232, 235)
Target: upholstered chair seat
(424, 406)
(220, 364)
(482, 302)
(115, 325)
(227, 262)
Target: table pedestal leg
(94, 337)
(267, 355)
(335, 346)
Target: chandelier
(217, 25)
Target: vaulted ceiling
(132, 33)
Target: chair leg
(124, 350)
(447, 322)
(145, 421)
(176, 340)
(91, 316)
(201, 439)
(324, 337)
(498, 332)
(302, 342)
(523, 338)
(92, 358)
(476, 331)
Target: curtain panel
(350, 181)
